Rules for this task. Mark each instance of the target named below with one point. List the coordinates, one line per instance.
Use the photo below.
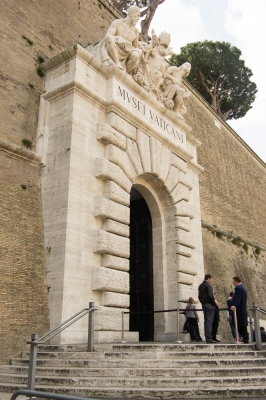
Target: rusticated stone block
(183, 209)
(165, 165)
(106, 134)
(183, 250)
(172, 179)
(110, 299)
(183, 223)
(185, 278)
(133, 154)
(184, 292)
(105, 279)
(110, 319)
(156, 149)
(180, 192)
(143, 142)
(121, 125)
(186, 265)
(114, 192)
(113, 262)
(120, 157)
(185, 238)
(107, 170)
(105, 208)
(116, 227)
(105, 242)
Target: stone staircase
(144, 370)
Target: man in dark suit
(240, 303)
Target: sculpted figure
(120, 44)
(151, 71)
(172, 87)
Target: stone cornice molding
(16, 151)
(225, 124)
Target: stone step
(143, 363)
(237, 352)
(209, 371)
(147, 383)
(163, 393)
(140, 347)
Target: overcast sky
(239, 22)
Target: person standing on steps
(207, 300)
(240, 304)
(193, 319)
(216, 320)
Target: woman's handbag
(186, 326)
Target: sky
(242, 23)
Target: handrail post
(178, 325)
(32, 361)
(236, 325)
(257, 327)
(91, 327)
(250, 322)
(123, 327)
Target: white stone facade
(99, 135)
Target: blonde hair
(191, 300)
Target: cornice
(16, 151)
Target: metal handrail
(53, 332)
(138, 312)
(255, 309)
(181, 310)
(45, 395)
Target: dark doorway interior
(141, 268)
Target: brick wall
(23, 290)
(52, 26)
(233, 185)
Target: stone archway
(141, 268)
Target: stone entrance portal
(99, 135)
(141, 268)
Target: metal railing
(44, 395)
(138, 312)
(254, 309)
(35, 341)
(256, 320)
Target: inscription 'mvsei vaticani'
(142, 108)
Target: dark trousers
(244, 333)
(215, 324)
(194, 329)
(208, 310)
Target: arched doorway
(141, 268)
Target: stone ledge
(20, 152)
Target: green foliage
(31, 86)
(220, 235)
(258, 250)
(27, 40)
(24, 187)
(27, 143)
(245, 247)
(220, 76)
(40, 71)
(51, 47)
(40, 59)
(237, 240)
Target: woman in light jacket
(193, 319)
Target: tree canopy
(220, 76)
(148, 9)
